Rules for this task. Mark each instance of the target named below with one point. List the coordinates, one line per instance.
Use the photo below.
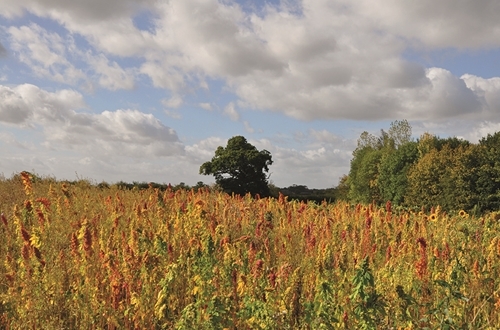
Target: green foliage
(452, 300)
(366, 165)
(364, 177)
(369, 305)
(80, 257)
(325, 307)
(302, 193)
(394, 169)
(440, 177)
(407, 304)
(257, 314)
(448, 172)
(488, 172)
(400, 132)
(342, 189)
(240, 168)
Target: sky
(146, 90)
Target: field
(76, 256)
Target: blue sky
(145, 90)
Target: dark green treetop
(240, 168)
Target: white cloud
(120, 132)
(163, 76)
(324, 136)
(436, 24)
(477, 132)
(316, 165)
(489, 92)
(111, 75)
(8, 139)
(3, 51)
(13, 109)
(248, 128)
(174, 102)
(90, 10)
(90, 18)
(206, 106)
(45, 53)
(310, 60)
(329, 60)
(204, 150)
(447, 96)
(50, 56)
(213, 38)
(231, 112)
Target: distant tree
(442, 176)
(373, 161)
(394, 168)
(181, 185)
(487, 176)
(199, 185)
(363, 181)
(342, 189)
(240, 168)
(400, 132)
(363, 176)
(274, 191)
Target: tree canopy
(240, 168)
(450, 172)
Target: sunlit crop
(74, 256)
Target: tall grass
(75, 256)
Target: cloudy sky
(145, 90)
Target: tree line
(429, 171)
(452, 173)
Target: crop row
(80, 257)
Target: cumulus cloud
(3, 51)
(45, 52)
(9, 140)
(231, 112)
(51, 56)
(488, 90)
(446, 96)
(324, 136)
(204, 150)
(120, 132)
(248, 127)
(111, 75)
(90, 10)
(205, 106)
(13, 109)
(437, 24)
(321, 60)
(482, 130)
(174, 102)
(310, 60)
(319, 164)
(213, 38)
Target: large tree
(393, 172)
(240, 168)
(487, 178)
(372, 151)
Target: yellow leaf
(195, 290)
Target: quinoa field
(78, 256)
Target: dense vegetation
(78, 256)
(240, 168)
(447, 172)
